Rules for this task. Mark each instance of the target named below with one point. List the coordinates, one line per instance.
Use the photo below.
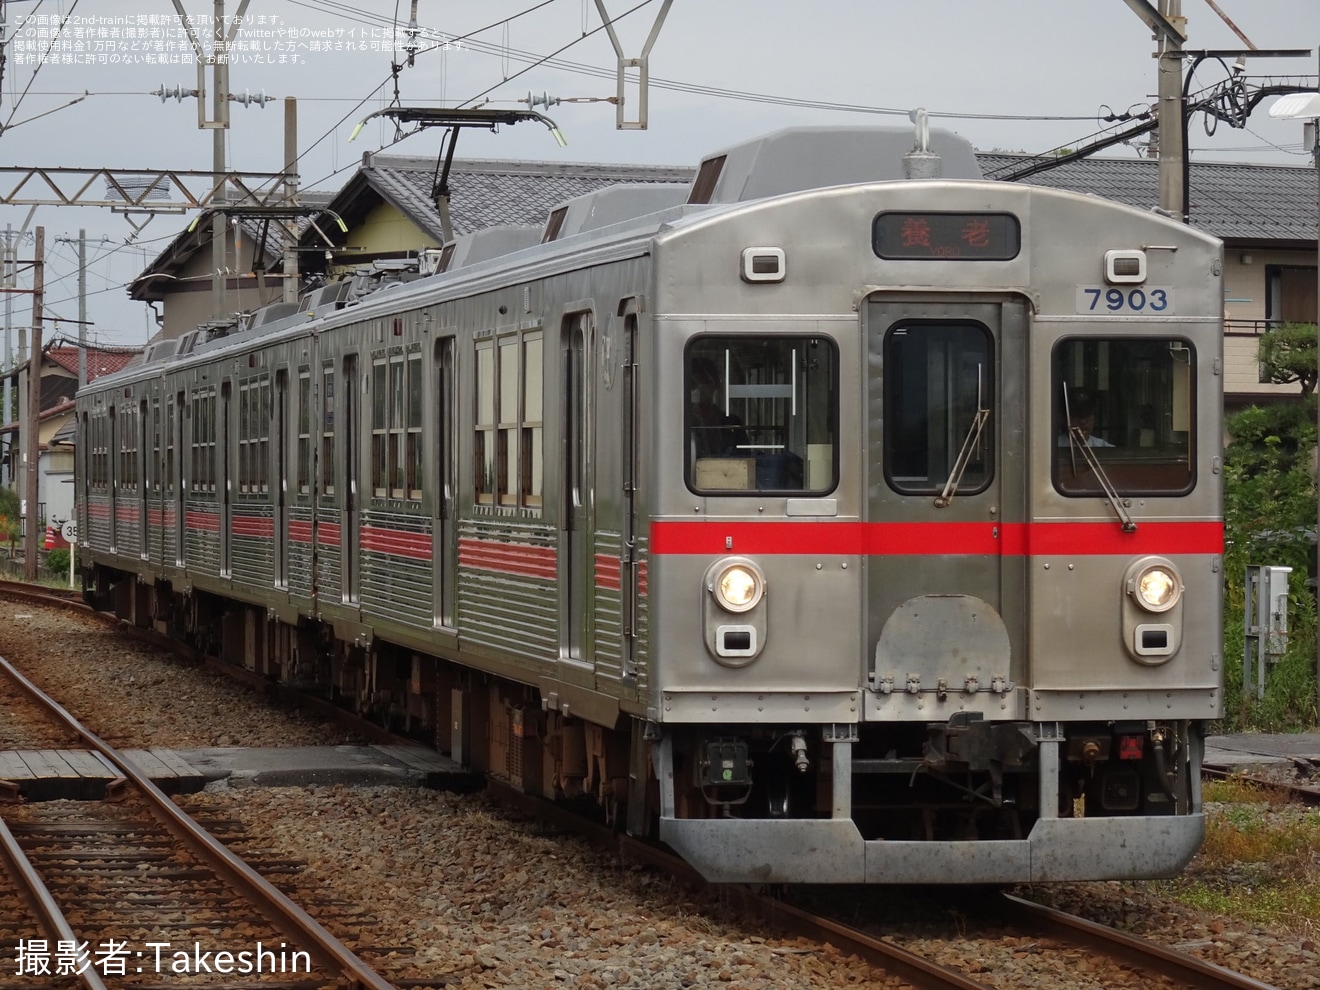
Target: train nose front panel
(945, 474)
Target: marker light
(738, 588)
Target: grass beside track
(1260, 860)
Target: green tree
(1269, 518)
(1287, 355)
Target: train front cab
(1039, 600)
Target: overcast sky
(1027, 75)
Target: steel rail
(1296, 792)
(328, 951)
(882, 954)
(39, 898)
(1147, 955)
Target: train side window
(485, 423)
(1131, 403)
(761, 415)
(938, 391)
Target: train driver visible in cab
(715, 433)
(1081, 419)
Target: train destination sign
(946, 236)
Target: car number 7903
(1124, 301)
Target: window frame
(832, 424)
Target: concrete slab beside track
(1253, 748)
(45, 775)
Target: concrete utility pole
(291, 197)
(1170, 29)
(82, 301)
(82, 307)
(32, 428)
(9, 281)
(1173, 149)
(218, 124)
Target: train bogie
(859, 534)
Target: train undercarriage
(752, 802)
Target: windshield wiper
(943, 499)
(1078, 440)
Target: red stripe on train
(208, 521)
(607, 572)
(300, 532)
(397, 542)
(509, 558)
(253, 526)
(938, 539)
(328, 534)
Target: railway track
(153, 894)
(1029, 920)
(1039, 925)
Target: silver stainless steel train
(829, 525)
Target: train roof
(798, 158)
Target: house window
(1290, 294)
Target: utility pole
(220, 109)
(82, 307)
(1173, 150)
(218, 124)
(291, 197)
(82, 302)
(32, 429)
(1170, 29)
(9, 281)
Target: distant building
(1265, 214)
(59, 381)
(1266, 217)
(390, 209)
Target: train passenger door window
(939, 381)
(1131, 402)
(509, 440)
(304, 431)
(531, 447)
(328, 430)
(413, 446)
(380, 432)
(761, 415)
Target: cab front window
(761, 415)
(1123, 412)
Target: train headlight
(1157, 588)
(738, 587)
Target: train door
(146, 472)
(281, 487)
(179, 488)
(946, 422)
(225, 487)
(351, 511)
(629, 565)
(576, 559)
(113, 459)
(444, 542)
